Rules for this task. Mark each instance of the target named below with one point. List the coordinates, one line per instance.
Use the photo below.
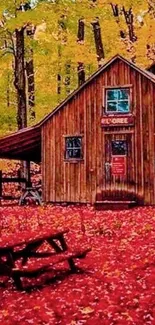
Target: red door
(119, 167)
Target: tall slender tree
(29, 65)
(80, 40)
(19, 81)
(98, 41)
(129, 18)
(116, 14)
(97, 36)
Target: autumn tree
(15, 45)
(71, 36)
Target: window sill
(73, 161)
(112, 114)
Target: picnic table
(24, 247)
(31, 193)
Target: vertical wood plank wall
(82, 181)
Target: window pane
(69, 153)
(69, 142)
(73, 153)
(123, 94)
(112, 106)
(119, 147)
(112, 94)
(123, 106)
(77, 142)
(76, 153)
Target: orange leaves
(86, 310)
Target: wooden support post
(28, 174)
(0, 185)
(25, 172)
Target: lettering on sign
(117, 120)
(118, 166)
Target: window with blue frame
(118, 100)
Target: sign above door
(117, 120)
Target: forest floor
(117, 285)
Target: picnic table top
(28, 237)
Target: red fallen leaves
(118, 285)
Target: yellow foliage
(55, 43)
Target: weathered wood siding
(84, 181)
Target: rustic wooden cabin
(98, 145)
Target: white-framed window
(117, 100)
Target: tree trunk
(61, 26)
(31, 89)
(59, 78)
(30, 76)
(20, 86)
(98, 41)
(80, 40)
(19, 81)
(151, 7)
(128, 14)
(8, 91)
(115, 10)
(81, 73)
(68, 77)
(81, 31)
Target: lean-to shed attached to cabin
(98, 144)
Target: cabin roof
(22, 145)
(26, 144)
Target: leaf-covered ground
(118, 282)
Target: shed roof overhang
(22, 145)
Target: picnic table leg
(55, 246)
(63, 243)
(72, 265)
(22, 198)
(10, 260)
(17, 281)
(36, 196)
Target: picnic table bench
(25, 247)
